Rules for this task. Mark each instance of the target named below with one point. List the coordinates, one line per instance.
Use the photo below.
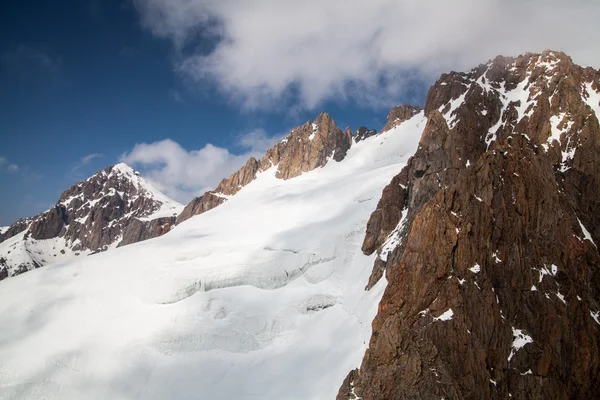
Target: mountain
(254, 298)
(307, 147)
(451, 255)
(488, 241)
(114, 207)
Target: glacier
(262, 297)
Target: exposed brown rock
(137, 231)
(386, 216)
(239, 179)
(15, 229)
(510, 202)
(199, 205)
(307, 147)
(91, 216)
(400, 114)
(50, 224)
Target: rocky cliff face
(113, 207)
(363, 133)
(488, 240)
(307, 147)
(399, 114)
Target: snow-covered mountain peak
(520, 95)
(113, 207)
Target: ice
(450, 115)
(496, 258)
(446, 316)
(592, 98)
(315, 129)
(82, 219)
(521, 338)
(586, 233)
(394, 238)
(260, 298)
(521, 95)
(475, 269)
(528, 372)
(544, 271)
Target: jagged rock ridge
(488, 241)
(307, 147)
(114, 207)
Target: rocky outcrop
(307, 147)
(50, 224)
(137, 231)
(492, 266)
(113, 207)
(399, 114)
(15, 229)
(363, 133)
(199, 205)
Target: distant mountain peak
(113, 207)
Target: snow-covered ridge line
(92, 215)
(241, 302)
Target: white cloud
(8, 166)
(183, 174)
(365, 50)
(257, 141)
(86, 160)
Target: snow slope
(260, 298)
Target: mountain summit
(488, 240)
(114, 207)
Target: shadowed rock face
(307, 147)
(363, 132)
(493, 289)
(15, 229)
(137, 231)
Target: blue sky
(84, 78)
(186, 90)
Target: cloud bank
(183, 174)
(266, 51)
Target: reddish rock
(307, 147)
(400, 114)
(493, 234)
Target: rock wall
(494, 275)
